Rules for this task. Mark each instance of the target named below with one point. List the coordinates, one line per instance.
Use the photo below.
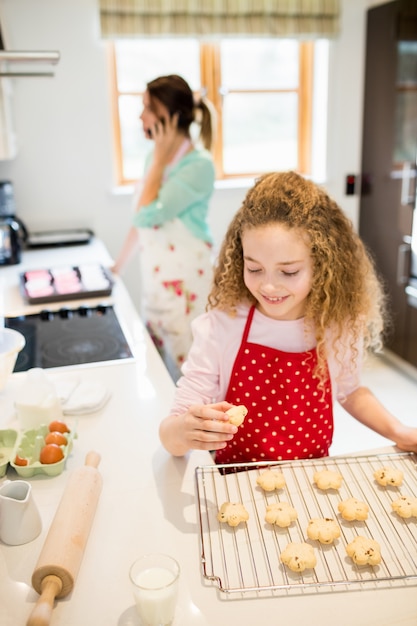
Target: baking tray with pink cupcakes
(68, 282)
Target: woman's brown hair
(176, 94)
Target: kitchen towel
(79, 397)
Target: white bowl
(11, 343)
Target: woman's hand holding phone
(152, 132)
(166, 138)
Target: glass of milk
(154, 579)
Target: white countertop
(147, 503)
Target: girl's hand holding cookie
(201, 427)
(207, 426)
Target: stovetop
(70, 337)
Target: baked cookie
(323, 529)
(237, 414)
(232, 513)
(405, 506)
(298, 557)
(353, 509)
(327, 479)
(364, 551)
(270, 480)
(389, 476)
(281, 514)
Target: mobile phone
(149, 130)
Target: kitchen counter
(147, 502)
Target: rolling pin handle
(51, 586)
(92, 459)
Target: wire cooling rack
(245, 559)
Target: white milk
(156, 596)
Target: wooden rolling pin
(63, 550)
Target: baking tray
(69, 282)
(245, 559)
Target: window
(270, 95)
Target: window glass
(141, 60)
(133, 142)
(249, 146)
(259, 129)
(259, 64)
(255, 87)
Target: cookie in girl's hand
(237, 414)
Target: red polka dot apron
(289, 417)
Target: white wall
(63, 172)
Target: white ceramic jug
(20, 521)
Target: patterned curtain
(272, 18)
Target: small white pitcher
(20, 521)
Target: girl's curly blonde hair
(346, 294)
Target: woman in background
(170, 228)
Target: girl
(294, 305)
(170, 227)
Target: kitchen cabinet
(389, 144)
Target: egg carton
(27, 444)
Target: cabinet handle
(403, 263)
(408, 173)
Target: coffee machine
(13, 232)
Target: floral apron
(289, 417)
(176, 273)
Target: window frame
(210, 71)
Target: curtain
(281, 18)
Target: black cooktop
(70, 337)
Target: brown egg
(51, 453)
(56, 437)
(20, 461)
(58, 426)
